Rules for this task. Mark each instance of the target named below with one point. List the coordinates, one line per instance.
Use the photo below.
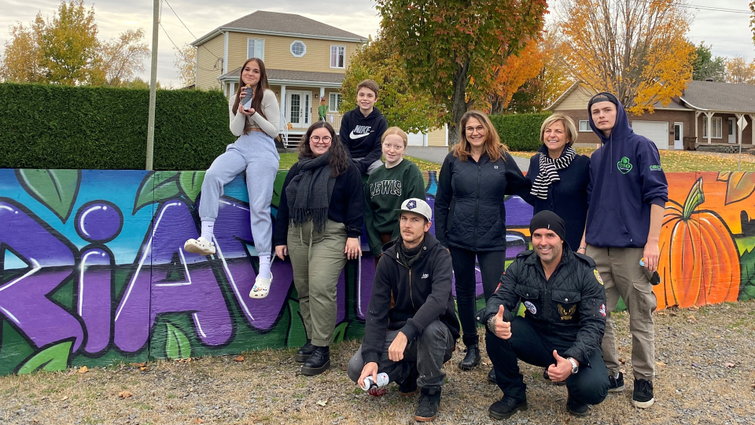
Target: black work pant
(492, 265)
(589, 385)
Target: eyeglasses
(479, 129)
(317, 139)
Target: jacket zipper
(411, 298)
(477, 205)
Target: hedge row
(49, 126)
(520, 132)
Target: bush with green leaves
(520, 132)
(51, 126)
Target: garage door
(415, 139)
(657, 131)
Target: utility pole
(153, 85)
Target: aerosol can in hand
(376, 388)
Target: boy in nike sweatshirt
(362, 129)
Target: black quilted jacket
(469, 210)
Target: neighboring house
(707, 113)
(305, 61)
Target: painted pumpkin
(699, 261)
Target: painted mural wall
(92, 269)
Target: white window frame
(291, 48)
(717, 123)
(255, 55)
(334, 103)
(336, 51)
(587, 128)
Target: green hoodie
(386, 189)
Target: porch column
(697, 135)
(710, 124)
(322, 92)
(752, 131)
(284, 121)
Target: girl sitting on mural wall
(254, 118)
(318, 225)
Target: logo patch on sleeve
(602, 310)
(530, 307)
(597, 276)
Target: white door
(732, 131)
(678, 134)
(657, 131)
(299, 108)
(415, 139)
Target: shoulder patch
(586, 259)
(597, 276)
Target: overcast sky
(726, 31)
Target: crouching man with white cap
(411, 325)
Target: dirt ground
(705, 375)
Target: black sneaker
(547, 377)
(616, 385)
(505, 407)
(409, 386)
(318, 362)
(304, 352)
(642, 396)
(471, 359)
(576, 407)
(427, 409)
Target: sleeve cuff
(658, 201)
(410, 330)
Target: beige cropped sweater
(270, 126)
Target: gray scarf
(309, 192)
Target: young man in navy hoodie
(627, 196)
(362, 129)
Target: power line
(192, 34)
(177, 48)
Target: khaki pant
(623, 277)
(316, 270)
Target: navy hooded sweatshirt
(625, 179)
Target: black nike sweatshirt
(361, 135)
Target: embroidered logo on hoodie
(624, 165)
(360, 131)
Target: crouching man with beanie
(411, 326)
(562, 326)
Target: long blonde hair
(493, 146)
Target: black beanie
(602, 97)
(548, 220)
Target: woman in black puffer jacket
(471, 218)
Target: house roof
(723, 97)
(283, 24)
(287, 77)
(673, 105)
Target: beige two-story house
(305, 61)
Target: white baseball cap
(417, 206)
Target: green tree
(402, 105)
(22, 55)
(705, 66)
(123, 57)
(451, 49)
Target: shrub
(520, 132)
(50, 126)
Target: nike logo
(357, 136)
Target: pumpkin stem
(694, 199)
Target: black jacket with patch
(570, 305)
(469, 210)
(409, 299)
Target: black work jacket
(570, 305)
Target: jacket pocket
(530, 297)
(566, 305)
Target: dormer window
(298, 48)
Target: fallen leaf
(83, 369)
(198, 421)
(239, 359)
(322, 403)
(660, 364)
(729, 364)
(143, 368)
(64, 398)
(125, 394)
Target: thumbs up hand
(502, 328)
(561, 370)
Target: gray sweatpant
(254, 153)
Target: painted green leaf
(191, 183)
(340, 332)
(156, 187)
(51, 358)
(177, 346)
(56, 189)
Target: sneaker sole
(469, 367)
(616, 390)
(499, 416)
(424, 419)
(193, 249)
(643, 404)
(579, 414)
(312, 371)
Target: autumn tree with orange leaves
(451, 49)
(632, 48)
(513, 74)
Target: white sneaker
(261, 287)
(200, 246)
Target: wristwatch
(574, 367)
